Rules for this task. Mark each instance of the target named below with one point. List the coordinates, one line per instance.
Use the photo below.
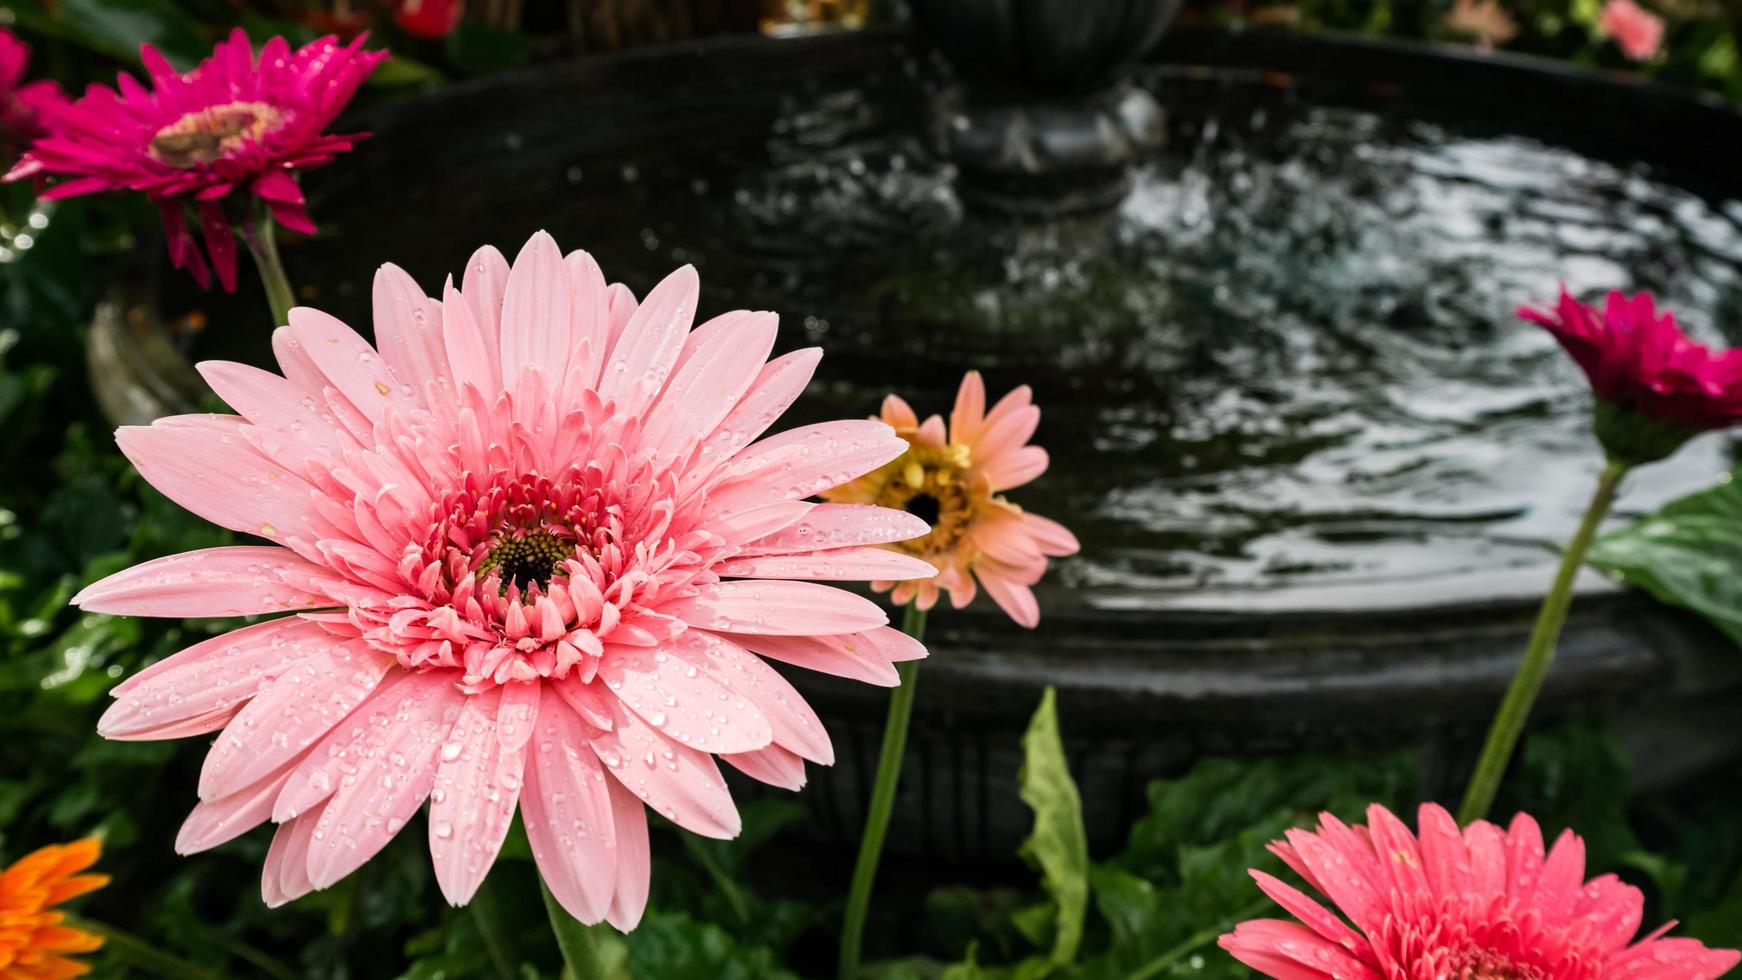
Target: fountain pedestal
(1044, 121)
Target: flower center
(207, 135)
(526, 559)
(929, 484)
(925, 507)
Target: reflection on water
(1286, 370)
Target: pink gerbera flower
(1655, 387)
(1635, 30)
(1477, 904)
(26, 108)
(233, 123)
(954, 479)
(544, 556)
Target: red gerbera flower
(1655, 387)
(233, 123)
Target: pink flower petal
(682, 784)
(773, 765)
(272, 403)
(863, 656)
(776, 387)
(484, 284)
(827, 526)
(536, 317)
(855, 564)
(291, 714)
(687, 704)
(408, 328)
(385, 775)
(639, 365)
(777, 608)
(590, 323)
(350, 364)
(1316, 917)
(566, 808)
(803, 462)
(629, 820)
(718, 365)
(794, 724)
(234, 581)
(226, 818)
(477, 785)
(218, 476)
(216, 676)
(472, 359)
(284, 875)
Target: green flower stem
(1538, 655)
(264, 248)
(882, 801)
(141, 955)
(584, 956)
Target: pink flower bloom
(429, 19)
(233, 123)
(540, 557)
(1638, 32)
(1477, 904)
(954, 479)
(1644, 369)
(26, 109)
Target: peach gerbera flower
(539, 555)
(1479, 903)
(953, 479)
(33, 943)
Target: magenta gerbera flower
(1477, 904)
(1655, 387)
(539, 554)
(234, 123)
(26, 108)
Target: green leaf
(480, 50)
(1688, 554)
(400, 70)
(119, 27)
(1721, 925)
(676, 947)
(962, 917)
(1058, 844)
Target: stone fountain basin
(641, 158)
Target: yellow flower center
(209, 134)
(929, 483)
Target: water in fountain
(1285, 372)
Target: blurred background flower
(35, 942)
